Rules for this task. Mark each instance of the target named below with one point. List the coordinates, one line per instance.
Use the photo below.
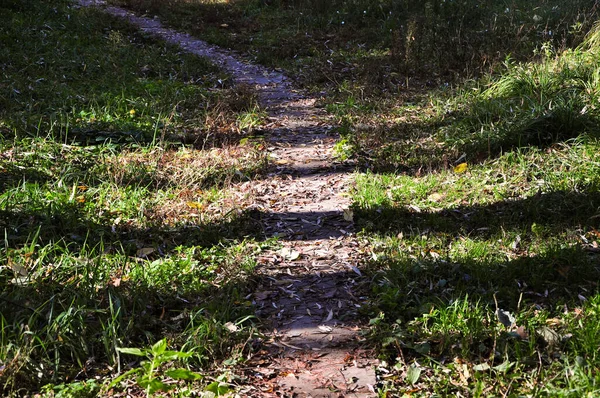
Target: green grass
(119, 228)
(485, 262)
(378, 47)
(543, 104)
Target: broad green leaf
(413, 374)
(159, 347)
(154, 385)
(504, 366)
(132, 351)
(218, 388)
(422, 348)
(183, 374)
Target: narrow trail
(309, 291)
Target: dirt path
(309, 292)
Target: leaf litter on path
(307, 290)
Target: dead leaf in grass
(19, 269)
(505, 317)
(196, 205)
(231, 327)
(549, 335)
(461, 168)
(435, 197)
(261, 296)
(356, 270)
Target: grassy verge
(486, 255)
(362, 47)
(120, 228)
(536, 104)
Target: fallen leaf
(196, 205)
(522, 332)
(329, 316)
(348, 215)
(505, 317)
(289, 254)
(356, 270)
(482, 367)
(325, 329)
(461, 168)
(261, 296)
(231, 327)
(413, 374)
(434, 197)
(549, 335)
(19, 269)
(116, 282)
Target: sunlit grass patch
(531, 104)
(157, 168)
(108, 141)
(486, 254)
(459, 250)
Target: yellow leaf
(196, 205)
(461, 168)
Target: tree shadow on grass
(553, 212)
(75, 289)
(99, 302)
(70, 321)
(70, 227)
(456, 257)
(407, 287)
(421, 146)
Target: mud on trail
(308, 292)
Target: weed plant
(116, 153)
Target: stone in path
(308, 293)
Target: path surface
(309, 291)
